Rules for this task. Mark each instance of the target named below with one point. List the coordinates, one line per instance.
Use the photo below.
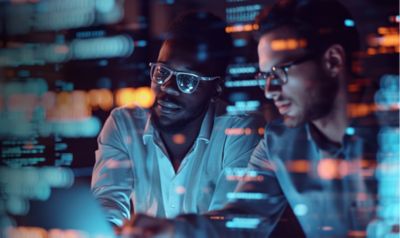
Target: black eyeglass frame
(284, 68)
(176, 73)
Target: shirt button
(173, 205)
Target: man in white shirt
(172, 158)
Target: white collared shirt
(132, 163)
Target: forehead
(280, 45)
(181, 58)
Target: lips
(167, 106)
(283, 107)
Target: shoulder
(131, 112)
(277, 134)
(129, 118)
(253, 120)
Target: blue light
(247, 196)
(245, 223)
(350, 131)
(349, 23)
(300, 210)
(240, 42)
(141, 43)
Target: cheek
(297, 89)
(155, 87)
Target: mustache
(167, 98)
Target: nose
(272, 91)
(170, 87)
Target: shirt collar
(329, 146)
(148, 131)
(205, 129)
(207, 124)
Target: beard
(323, 99)
(319, 103)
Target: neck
(334, 124)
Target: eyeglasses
(187, 82)
(278, 75)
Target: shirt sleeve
(112, 178)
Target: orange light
(298, 166)
(288, 44)
(247, 131)
(179, 139)
(261, 131)
(328, 169)
(234, 131)
(144, 97)
(389, 40)
(241, 28)
(102, 98)
(125, 96)
(372, 51)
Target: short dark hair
(321, 22)
(203, 33)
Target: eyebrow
(185, 70)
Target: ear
(218, 91)
(334, 60)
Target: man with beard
(309, 162)
(173, 158)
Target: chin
(292, 122)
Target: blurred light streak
(237, 131)
(247, 196)
(242, 83)
(25, 183)
(335, 168)
(242, 174)
(243, 106)
(241, 28)
(102, 47)
(101, 98)
(244, 13)
(78, 49)
(242, 69)
(298, 166)
(245, 178)
(23, 16)
(39, 232)
(244, 223)
(355, 234)
(329, 169)
(363, 109)
(288, 44)
(143, 97)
